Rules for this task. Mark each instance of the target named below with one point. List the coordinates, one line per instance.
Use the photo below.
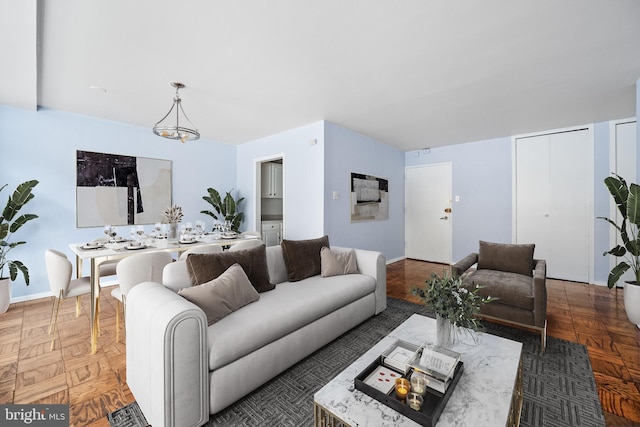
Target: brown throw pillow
(506, 257)
(205, 267)
(223, 295)
(302, 257)
(337, 263)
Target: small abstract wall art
(117, 189)
(369, 198)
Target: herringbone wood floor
(94, 385)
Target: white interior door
(553, 201)
(428, 213)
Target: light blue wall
(347, 151)
(302, 176)
(481, 177)
(42, 145)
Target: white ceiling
(411, 74)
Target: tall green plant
(226, 209)
(9, 224)
(627, 198)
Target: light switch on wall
(336, 195)
(457, 198)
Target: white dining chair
(246, 244)
(133, 270)
(209, 249)
(59, 270)
(108, 266)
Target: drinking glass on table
(140, 232)
(113, 232)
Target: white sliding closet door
(553, 201)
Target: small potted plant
(454, 305)
(627, 199)
(9, 224)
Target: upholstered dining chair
(108, 266)
(133, 270)
(59, 270)
(209, 249)
(246, 244)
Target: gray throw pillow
(205, 267)
(337, 263)
(223, 295)
(302, 257)
(506, 257)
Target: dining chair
(209, 249)
(133, 270)
(108, 266)
(59, 270)
(246, 244)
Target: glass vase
(173, 230)
(444, 332)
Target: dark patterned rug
(559, 388)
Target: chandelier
(183, 129)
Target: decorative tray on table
(378, 381)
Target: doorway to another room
(270, 189)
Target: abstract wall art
(116, 189)
(369, 198)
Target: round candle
(415, 400)
(402, 388)
(418, 383)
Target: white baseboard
(390, 261)
(31, 297)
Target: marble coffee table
(489, 392)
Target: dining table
(99, 252)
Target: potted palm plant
(627, 199)
(9, 224)
(226, 209)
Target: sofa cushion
(506, 257)
(206, 267)
(302, 257)
(337, 262)
(222, 295)
(512, 289)
(287, 308)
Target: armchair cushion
(506, 257)
(512, 289)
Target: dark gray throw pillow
(206, 267)
(511, 258)
(302, 257)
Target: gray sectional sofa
(181, 370)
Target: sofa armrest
(464, 264)
(540, 292)
(374, 264)
(167, 356)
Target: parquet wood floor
(94, 385)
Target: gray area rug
(559, 388)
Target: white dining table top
(123, 247)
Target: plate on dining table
(187, 242)
(92, 245)
(135, 247)
(229, 236)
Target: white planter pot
(632, 303)
(5, 295)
